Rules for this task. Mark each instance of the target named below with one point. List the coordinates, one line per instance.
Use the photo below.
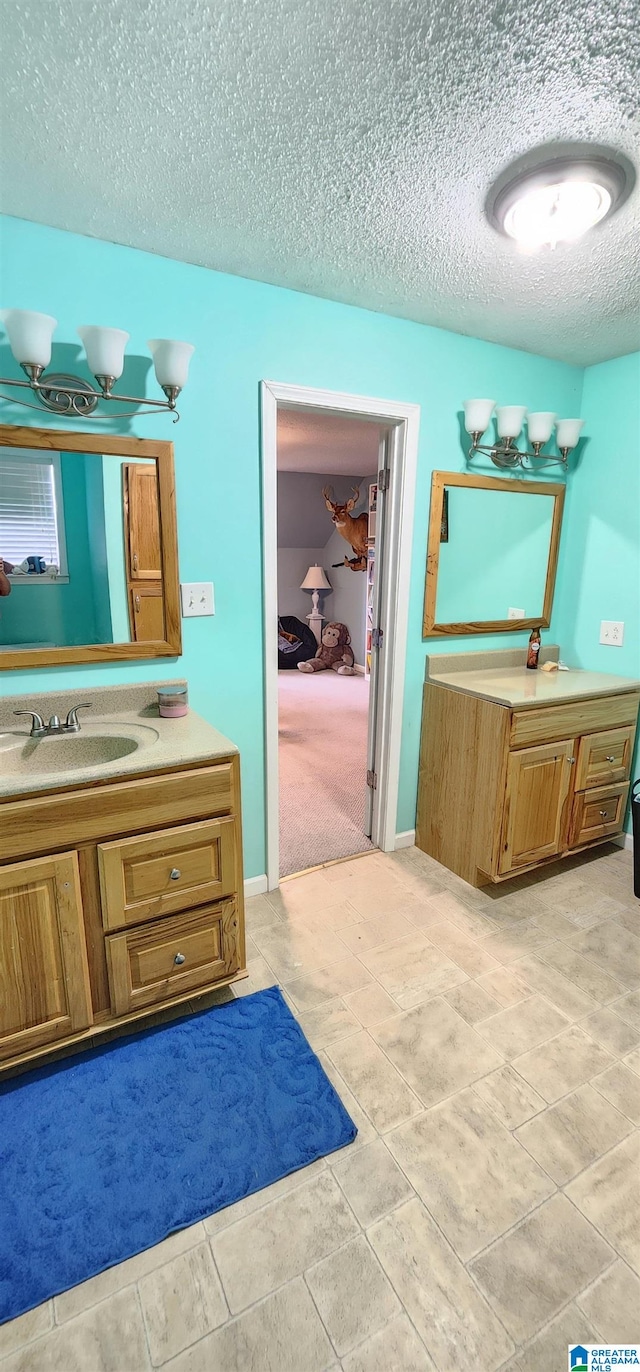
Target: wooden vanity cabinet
(503, 790)
(116, 899)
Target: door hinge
(383, 479)
(372, 780)
(376, 638)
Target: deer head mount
(355, 531)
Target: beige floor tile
(535, 1269)
(340, 915)
(108, 1338)
(258, 1199)
(611, 1032)
(621, 1088)
(291, 949)
(435, 1050)
(88, 1293)
(470, 1001)
(375, 1083)
(629, 917)
(473, 960)
(573, 1134)
(181, 1302)
(352, 1294)
(455, 1322)
(584, 974)
(557, 1067)
(548, 1351)
(554, 924)
(510, 1098)
(510, 946)
(268, 1248)
(311, 891)
(282, 1334)
(366, 1132)
(373, 933)
(371, 1005)
(396, 1348)
(327, 1023)
(628, 1008)
(328, 982)
(451, 939)
(450, 907)
(372, 1181)
(260, 975)
(413, 970)
(613, 949)
(632, 1060)
(259, 913)
(547, 981)
(473, 1176)
(608, 1194)
(505, 986)
(612, 1305)
(524, 1026)
(16, 1333)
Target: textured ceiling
(339, 147)
(309, 442)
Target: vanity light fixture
(509, 421)
(30, 337)
(556, 195)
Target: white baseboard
(255, 886)
(406, 839)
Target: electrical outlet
(197, 598)
(515, 614)
(612, 632)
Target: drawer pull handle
(179, 959)
(175, 874)
(610, 759)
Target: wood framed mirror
(492, 554)
(88, 549)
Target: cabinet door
(143, 520)
(536, 809)
(147, 612)
(44, 979)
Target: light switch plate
(515, 614)
(612, 632)
(197, 598)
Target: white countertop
(511, 683)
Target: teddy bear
(334, 652)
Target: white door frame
(404, 421)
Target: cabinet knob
(610, 759)
(603, 813)
(571, 761)
(179, 959)
(175, 874)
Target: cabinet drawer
(572, 718)
(597, 813)
(174, 869)
(166, 959)
(604, 758)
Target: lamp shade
(315, 580)
(29, 335)
(568, 432)
(104, 349)
(510, 420)
(540, 424)
(477, 414)
(171, 361)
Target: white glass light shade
(104, 349)
(510, 420)
(171, 361)
(539, 424)
(568, 432)
(556, 213)
(477, 414)
(29, 335)
(315, 580)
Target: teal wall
(245, 331)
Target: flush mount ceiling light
(540, 203)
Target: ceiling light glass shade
(539, 424)
(477, 414)
(30, 335)
(568, 432)
(104, 349)
(543, 200)
(510, 420)
(171, 361)
(557, 213)
(315, 580)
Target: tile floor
(487, 1045)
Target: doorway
(357, 741)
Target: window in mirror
(31, 512)
(492, 551)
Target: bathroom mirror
(88, 548)
(492, 554)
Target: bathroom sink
(95, 746)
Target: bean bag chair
(305, 646)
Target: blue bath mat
(105, 1154)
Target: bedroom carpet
(323, 764)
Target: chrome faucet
(54, 729)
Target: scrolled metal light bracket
(64, 394)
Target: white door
(377, 628)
